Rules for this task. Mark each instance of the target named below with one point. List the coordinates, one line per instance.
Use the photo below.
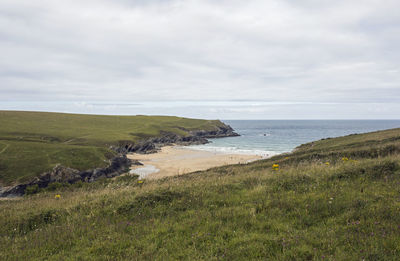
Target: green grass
(307, 210)
(34, 142)
(23, 160)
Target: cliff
(119, 164)
(196, 137)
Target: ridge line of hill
(119, 164)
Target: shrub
(34, 221)
(30, 190)
(56, 186)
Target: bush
(34, 221)
(371, 170)
(56, 186)
(30, 190)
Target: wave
(233, 150)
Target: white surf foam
(233, 150)
(144, 171)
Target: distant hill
(34, 142)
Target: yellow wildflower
(327, 163)
(58, 196)
(140, 181)
(345, 158)
(275, 166)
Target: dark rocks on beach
(121, 163)
(61, 174)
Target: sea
(270, 137)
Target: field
(334, 199)
(34, 142)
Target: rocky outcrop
(118, 165)
(197, 137)
(121, 163)
(154, 144)
(221, 132)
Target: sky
(286, 59)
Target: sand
(173, 160)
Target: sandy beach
(172, 160)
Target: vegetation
(34, 142)
(335, 199)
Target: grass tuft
(305, 210)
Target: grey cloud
(278, 51)
(224, 110)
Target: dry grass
(306, 210)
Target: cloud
(134, 51)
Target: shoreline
(175, 161)
(120, 162)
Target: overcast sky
(256, 59)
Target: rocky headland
(119, 164)
(197, 137)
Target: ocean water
(271, 137)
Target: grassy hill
(334, 199)
(34, 142)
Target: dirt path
(4, 149)
(71, 140)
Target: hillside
(34, 142)
(334, 199)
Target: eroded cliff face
(61, 174)
(221, 132)
(119, 164)
(197, 137)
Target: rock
(224, 131)
(197, 137)
(118, 165)
(17, 190)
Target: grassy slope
(34, 142)
(307, 210)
